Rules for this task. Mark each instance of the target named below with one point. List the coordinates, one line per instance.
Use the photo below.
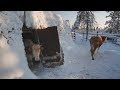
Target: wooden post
(74, 35)
(83, 35)
(97, 33)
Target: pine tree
(114, 22)
(85, 20)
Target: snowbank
(13, 63)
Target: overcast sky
(71, 15)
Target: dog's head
(104, 39)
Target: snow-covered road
(78, 63)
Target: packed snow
(79, 64)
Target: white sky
(71, 15)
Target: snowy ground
(78, 63)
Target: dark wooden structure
(48, 38)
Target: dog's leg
(92, 52)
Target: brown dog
(96, 42)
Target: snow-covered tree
(85, 20)
(67, 28)
(114, 22)
(67, 24)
